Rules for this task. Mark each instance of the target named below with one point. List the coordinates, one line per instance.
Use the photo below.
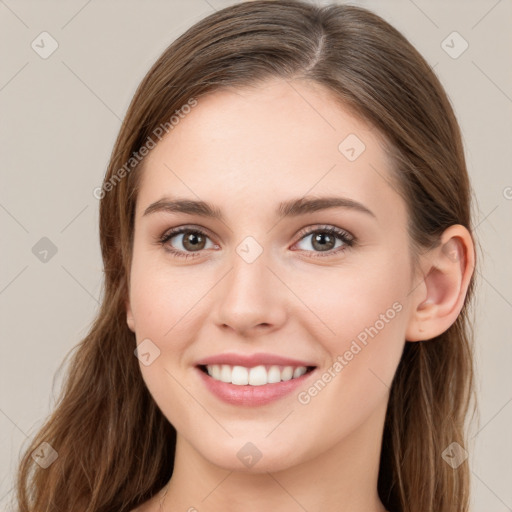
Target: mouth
(255, 379)
(260, 375)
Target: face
(321, 290)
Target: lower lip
(252, 395)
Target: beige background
(60, 116)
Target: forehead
(254, 147)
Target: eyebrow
(289, 208)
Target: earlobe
(438, 302)
(129, 316)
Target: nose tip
(247, 300)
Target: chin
(258, 456)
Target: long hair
(115, 447)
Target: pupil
(321, 239)
(193, 240)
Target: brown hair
(115, 447)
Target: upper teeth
(256, 376)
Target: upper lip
(250, 360)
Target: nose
(251, 299)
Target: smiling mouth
(255, 376)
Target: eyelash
(347, 239)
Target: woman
(286, 234)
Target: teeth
(287, 373)
(225, 373)
(301, 370)
(256, 376)
(239, 376)
(274, 375)
(216, 371)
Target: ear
(129, 316)
(447, 271)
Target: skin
(245, 150)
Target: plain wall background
(59, 120)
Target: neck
(341, 479)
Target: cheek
(176, 404)
(363, 315)
(369, 325)
(159, 298)
(160, 312)
(350, 299)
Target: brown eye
(324, 240)
(193, 241)
(188, 241)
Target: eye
(193, 240)
(324, 239)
